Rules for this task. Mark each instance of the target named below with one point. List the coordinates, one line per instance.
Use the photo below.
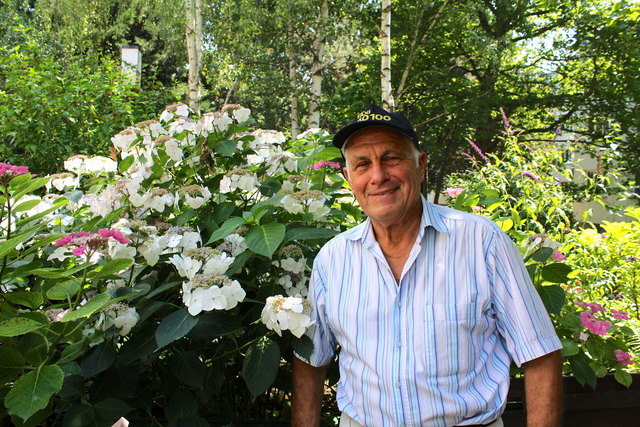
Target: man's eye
(360, 165)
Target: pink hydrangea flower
(476, 208)
(593, 306)
(557, 256)
(623, 357)
(116, 234)
(325, 164)
(84, 241)
(453, 192)
(620, 314)
(593, 324)
(8, 172)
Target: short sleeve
(324, 342)
(522, 319)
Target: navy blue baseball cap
(375, 116)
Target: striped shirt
(433, 349)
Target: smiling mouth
(384, 193)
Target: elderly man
(429, 305)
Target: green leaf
(25, 206)
(214, 324)
(94, 304)
(20, 326)
(226, 147)
(598, 349)
(582, 371)
(308, 233)
(72, 352)
(556, 272)
(225, 229)
(264, 239)
(32, 391)
(111, 267)
(29, 187)
(11, 363)
(223, 211)
(9, 245)
(110, 410)
(186, 216)
(187, 367)
(99, 359)
(542, 254)
(260, 366)
(73, 196)
(303, 346)
(505, 225)
(175, 326)
(569, 348)
(32, 300)
(553, 298)
(623, 377)
(125, 164)
(52, 273)
(64, 291)
(183, 404)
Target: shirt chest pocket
(452, 338)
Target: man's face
(384, 174)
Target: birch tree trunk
(193, 29)
(317, 67)
(385, 55)
(293, 65)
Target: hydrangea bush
(524, 191)
(165, 283)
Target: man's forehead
(376, 135)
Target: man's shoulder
(341, 241)
(454, 218)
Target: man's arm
(308, 390)
(543, 390)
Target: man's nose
(378, 173)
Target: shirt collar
(431, 217)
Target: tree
(193, 30)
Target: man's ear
(422, 164)
(345, 172)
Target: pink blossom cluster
(623, 357)
(84, 240)
(325, 164)
(619, 314)
(7, 172)
(557, 256)
(593, 324)
(453, 192)
(593, 306)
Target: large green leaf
(260, 367)
(64, 291)
(25, 206)
(32, 391)
(188, 368)
(226, 147)
(94, 304)
(175, 326)
(72, 352)
(264, 239)
(20, 325)
(111, 267)
(542, 254)
(9, 245)
(308, 233)
(623, 377)
(225, 229)
(552, 297)
(556, 272)
(582, 371)
(110, 410)
(11, 363)
(32, 300)
(99, 359)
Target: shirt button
(398, 384)
(398, 303)
(399, 344)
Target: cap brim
(345, 133)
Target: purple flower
(505, 121)
(478, 150)
(530, 176)
(632, 259)
(467, 155)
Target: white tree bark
(293, 65)
(385, 56)
(317, 67)
(193, 29)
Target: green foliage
(588, 292)
(50, 110)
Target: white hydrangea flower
(119, 315)
(170, 111)
(190, 240)
(60, 181)
(238, 179)
(218, 264)
(124, 139)
(291, 204)
(211, 122)
(120, 250)
(195, 195)
(186, 266)
(76, 164)
(292, 265)
(237, 243)
(312, 131)
(265, 137)
(152, 248)
(318, 209)
(61, 253)
(215, 292)
(286, 313)
(100, 164)
(241, 115)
